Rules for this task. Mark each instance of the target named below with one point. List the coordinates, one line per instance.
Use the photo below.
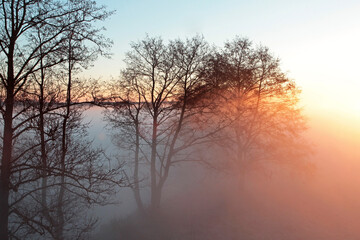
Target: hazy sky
(318, 41)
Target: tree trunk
(136, 188)
(7, 148)
(43, 143)
(156, 199)
(60, 212)
(6, 167)
(163, 178)
(154, 190)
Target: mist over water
(277, 202)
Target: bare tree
(18, 18)
(183, 94)
(125, 117)
(36, 38)
(262, 104)
(161, 106)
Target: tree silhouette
(175, 99)
(46, 161)
(261, 103)
(159, 112)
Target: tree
(179, 97)
(18, 18)
(37, 37)
(159, 106)
(151, 69)
(125, 116)
(262, 105)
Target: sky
(318, 41)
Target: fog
(279, 202)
